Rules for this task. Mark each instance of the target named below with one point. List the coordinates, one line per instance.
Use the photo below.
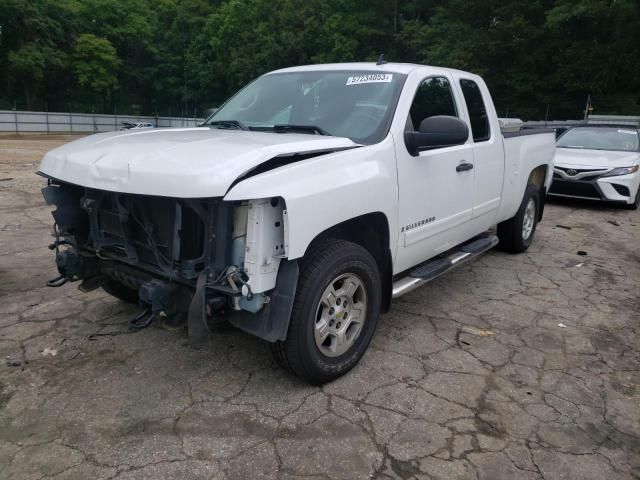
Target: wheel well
(537, 178)
(370, 231)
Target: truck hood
(583, 158)
(176, 162)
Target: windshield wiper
(300, 128)
(237, 124)
(280, 128)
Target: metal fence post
(15, 113)
(46, 109)
(70, 120)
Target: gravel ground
(513, 367)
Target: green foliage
(95, 62)
(28, 61)
(597, 51)
(150, 56)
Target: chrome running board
(432, 269)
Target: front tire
(516, 234)
(335, 312)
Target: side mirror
(437, 132)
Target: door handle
(464, 166)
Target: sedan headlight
(621, 171)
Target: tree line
(540, 58)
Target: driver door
(436, 193)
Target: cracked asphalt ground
(513, 367)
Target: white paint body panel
(430, 188)
(464, 204)
(631, 181)
(605, 160)
(522, 155)
(585, 158)
(488, 156)
(174, 162)
(324, 191)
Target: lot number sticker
(370, 78)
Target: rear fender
(528, 158)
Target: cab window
(477, 112)
(433, 97)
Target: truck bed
(526, 131)
(523, 150)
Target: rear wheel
(516, 234)
(335, 312)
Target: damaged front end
(185, 259)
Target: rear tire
(335, 312)
(516, 234)
(121, 292)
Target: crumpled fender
(324, 191)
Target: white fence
(12, 121)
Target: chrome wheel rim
(340, 315)
(529, 219)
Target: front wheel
(334, 314)
(516, 234)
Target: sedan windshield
(600, 138)
(355, 104)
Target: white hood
(583, 158)
(177, 162)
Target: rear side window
(434, 97)
(477, 111)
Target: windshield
(600, 138)
(355, 104)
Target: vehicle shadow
(584, 204)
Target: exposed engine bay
(187, 259)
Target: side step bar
(434, 268)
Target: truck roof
(370, 66)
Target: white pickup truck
(301, 207)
